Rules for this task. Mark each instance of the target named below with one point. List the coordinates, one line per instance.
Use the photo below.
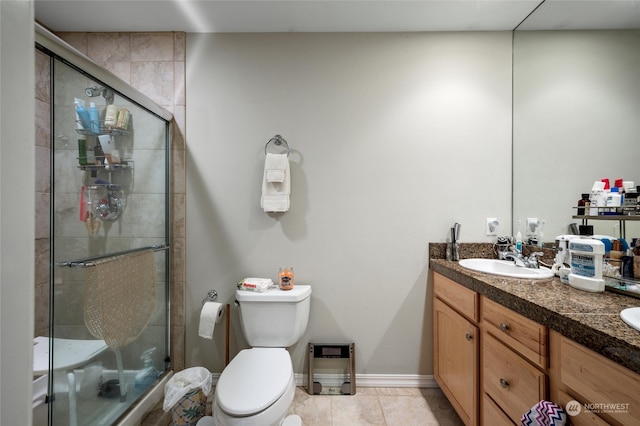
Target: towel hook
(277, 140)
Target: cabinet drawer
(492, 415)
(513, 383)
(460, 298)
(520, 333)
(597, 381)
(583, 417)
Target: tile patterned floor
(369, 406)
(376, 406)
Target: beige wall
(17, 223)
(394, 138)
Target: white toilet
(258, 385)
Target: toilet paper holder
(212, 296)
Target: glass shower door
(109, 250)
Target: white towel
(275, 166)
(275, 193)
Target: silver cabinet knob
(504, 383)
(504, 327)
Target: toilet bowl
(256, 388)
(258, 385)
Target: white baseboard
(376, 380)
(385, 381)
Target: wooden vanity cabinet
(494, 364)
(489, 361)
(456, 345)
(610, 391)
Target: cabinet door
(456, 360)
(609, 390)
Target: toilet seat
(253, 381)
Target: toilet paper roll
(211, 314)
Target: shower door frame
(56, 49)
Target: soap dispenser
(149, 373)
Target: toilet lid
(254, 380)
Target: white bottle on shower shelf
(111, 116)
(94, 117)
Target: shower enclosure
(108, 342)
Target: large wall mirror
(576, 109)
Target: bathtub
(131, 417)
(39, 396)
(150, 399)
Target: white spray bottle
(149, 373)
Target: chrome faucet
(520, 260)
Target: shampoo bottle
(111, 116)
(82, 152)
(82, 115)
(94, 116)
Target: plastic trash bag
(183, 382)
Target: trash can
(185, 394)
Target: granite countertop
(591, 319)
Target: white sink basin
(506, 268)
(632, 317)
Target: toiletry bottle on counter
(597, 198)
(519, 238)
(285, 278)
(583, 204)
(614, 199)
(586, 259)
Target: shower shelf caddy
(104, 130)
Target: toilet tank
(275, 318)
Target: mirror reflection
(576, 117)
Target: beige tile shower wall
(43, 194)
(154, 64)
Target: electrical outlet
(532, 226)
(491, 229)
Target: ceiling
(333, 15)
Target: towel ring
(277, 140)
